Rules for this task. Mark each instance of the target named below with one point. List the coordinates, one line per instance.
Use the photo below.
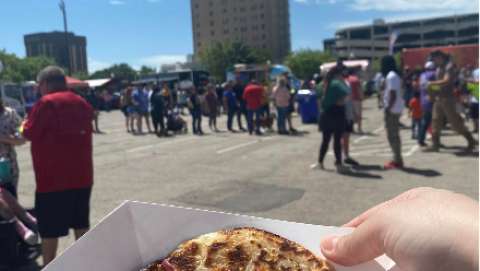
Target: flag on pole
(393, 38)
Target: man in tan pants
(444, 101)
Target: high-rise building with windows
(262, 24)
(52, 44)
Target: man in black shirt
(239, 88)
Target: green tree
(121, 71)
(220, 57)
(31, 66)
(22, 69)
(306, 62)
(145, 70)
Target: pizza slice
(241, 249)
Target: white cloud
(416, 5)
(96, 65)
(458, 6)
(117, 2)
(157, 61)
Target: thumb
(365, 243)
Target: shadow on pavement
(466, 154)
(421, 172)
(362, 175)
(368, 168)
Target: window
(439, 34)
(212, 33)
(262, 15)
(409, 37)
(211, 13)
(360, 34)
(470, 31)
(212, 23)
(377, 30)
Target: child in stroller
(175, 123)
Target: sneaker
(351, 161)
(317, 166)
(392, 165)
(422, 144)
(342, 169)
(30, 238)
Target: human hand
(422, 229)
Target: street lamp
(67, 43)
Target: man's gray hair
(54, 77)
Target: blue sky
(154, 32)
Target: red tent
(75, 83)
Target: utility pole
(67, 42)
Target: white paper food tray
(136, 234)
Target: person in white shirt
(393, 106)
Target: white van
(12, 96)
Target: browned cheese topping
(242, 249)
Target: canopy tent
(362, 63)
(75, 83)
(95, 83)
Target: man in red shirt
(253, 95)
(60, 130)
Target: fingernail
(329, 244)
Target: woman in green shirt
(332, 120)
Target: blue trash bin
(307, 106)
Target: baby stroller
(175, 123)
(15, 253)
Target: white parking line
(147, 147)
(367, 136)
(411, 151)
(239, 146)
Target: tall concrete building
(372, 41)
(52, 44)
(262, 24)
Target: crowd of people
(435, 96)
(163, 107)
(60, 124)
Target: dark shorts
(349, 126)
(57, 212)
